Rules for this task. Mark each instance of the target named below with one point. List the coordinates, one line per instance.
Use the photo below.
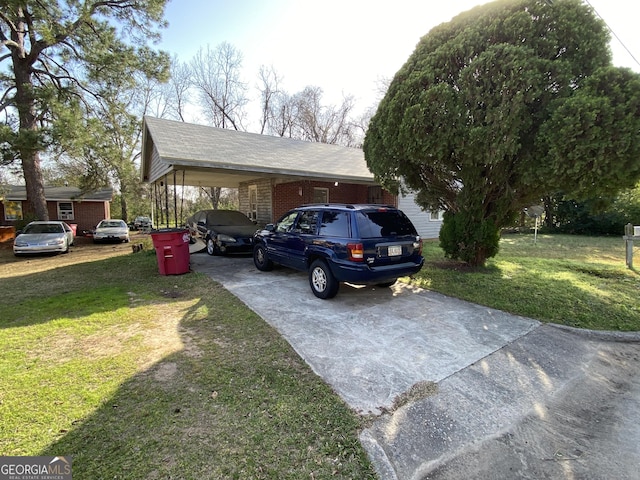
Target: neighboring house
(63, 203)
(272, 174)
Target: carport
(272, 174)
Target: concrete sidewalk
(486, 385)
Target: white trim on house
(320, 195)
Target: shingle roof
(53, 194)
(182, 145)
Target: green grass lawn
(138, 375)
(570, 280)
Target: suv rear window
(384, 223)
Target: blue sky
(342, 46)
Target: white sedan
(111, 230)
(43, 237)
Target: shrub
(462, 239)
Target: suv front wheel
(260, 259)
(323, 283)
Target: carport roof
(217, 157)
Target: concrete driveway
(457, 390)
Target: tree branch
(4, 103)
(12, 28)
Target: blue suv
(359, 244)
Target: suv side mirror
(270, 227)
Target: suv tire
(260, 259)
(322, 282)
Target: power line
(612, 32)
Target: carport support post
(175, 199)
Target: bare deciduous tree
(177, 89)
(282, 119)
(216, 78)
(304, 117)
(215, 75)
(324, 124)
(269, 88)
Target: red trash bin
(172, 250)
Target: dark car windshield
(227, 217)
(44, 228)
(384, 223)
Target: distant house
(63, 203)
(272, 174)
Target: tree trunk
(28, 137)
(34, 183)
(548, 213)
(123, 202)
(214, 194)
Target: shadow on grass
(75, 290)
(232, 400)
(571, 293)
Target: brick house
(272, 174)
(63, 203)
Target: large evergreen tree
(59, 54)
(508, 102)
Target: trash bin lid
(169, 230)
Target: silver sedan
(111, 230)
(43, 237)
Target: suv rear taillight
(417, 245)
(356, 252)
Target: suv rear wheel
(323, 283)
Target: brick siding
(86, 214)
(275, 199)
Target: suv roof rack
(349, 205)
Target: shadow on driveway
(511, 398)
(370, 344)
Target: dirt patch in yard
(83, 250)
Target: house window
(65, 210)
(374, 194)
(12, 210)
(253, 202)
(320, 195)
(436, 216)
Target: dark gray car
(223, 231)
